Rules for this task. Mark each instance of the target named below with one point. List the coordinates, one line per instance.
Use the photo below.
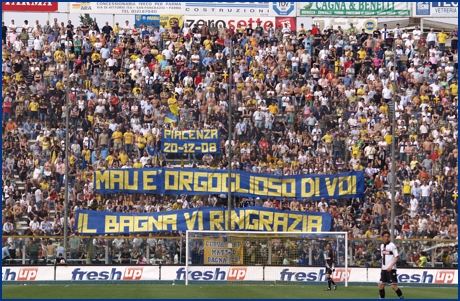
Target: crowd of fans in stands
(311, 101)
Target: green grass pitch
(197, 291)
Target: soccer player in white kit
(388, 274)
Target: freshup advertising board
(221, 273)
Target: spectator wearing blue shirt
(307, 42)
(347, 81)
(207, 61)
(145, 32)
(5, 253)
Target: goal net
(264, 257)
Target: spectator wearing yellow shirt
(327, 139)
(208, 43)
(72, 159)
(86, 154)
(59, 55)
(454, 88)
(240, 85)
(137, 164)
(110, 158)
(384, 108)
(361, 53)
(123, 157)
(355, 150)
(117, 137)
(44, 186)
(273, 108)
(33, 108)
(442, 37)
(388, 138)
(141, 142)
(93, 38)
(252, 103)
(128, 139)
(137, 90)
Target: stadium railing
(160, 250)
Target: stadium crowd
(311, 101)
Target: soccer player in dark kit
(329, 259)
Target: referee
(388, 274)
(329, 258)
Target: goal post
(264, 257)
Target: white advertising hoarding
(127, 8)
(229, 22)
(97, 273)
(432, 276)
(12, 273)
(312, 274)
(262, 9)
(354, 9)
(221, 273)
(435, 9)
(212, 273)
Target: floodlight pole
(393, 146)
(66, 152)
(230, 157)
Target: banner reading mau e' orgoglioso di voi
(215, 181)
(212, 219)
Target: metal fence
(170, 250)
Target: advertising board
(44, 7)
(245, 9)
(354, 9)
(435, 9)
(229, 22)
(127, 8)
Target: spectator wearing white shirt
(385, 33)
(386, 93)
(397, 31)
(12, 26)
(26, 26)
(258, 118)
(34, 226)
(431, 38)
(417, 34)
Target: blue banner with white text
(215, 181)
(191, 141)
(212, 219)
(147, 20)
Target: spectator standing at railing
(60, 260)
(5, 253)
(33, 252)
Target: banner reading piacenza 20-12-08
(244, 184)
(191, 141)
(213, 219)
